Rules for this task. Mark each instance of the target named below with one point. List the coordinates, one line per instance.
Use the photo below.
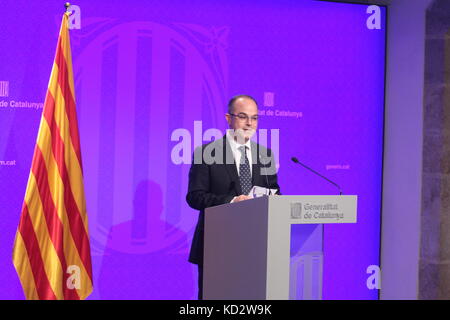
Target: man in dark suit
(225, 170)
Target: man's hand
(241, 198)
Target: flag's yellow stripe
(57, 190)
(52, 264)
(23, 267)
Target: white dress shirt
(237, 153)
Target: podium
(270, 247)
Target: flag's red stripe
(63, 80)
(54, 224)
(42, 284)
(79, 233)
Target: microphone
(294, 159)
(267, 180)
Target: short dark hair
(233, 100)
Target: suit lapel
(230, 165)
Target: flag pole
(67, 5)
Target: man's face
(244, 119)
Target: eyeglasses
(243, 117)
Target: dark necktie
(245, 176)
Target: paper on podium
(258, 191)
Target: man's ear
(228, 118)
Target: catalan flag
(51, 251)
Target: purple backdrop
(145, 70)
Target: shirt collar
(235, 145)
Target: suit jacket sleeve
(199, 195)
